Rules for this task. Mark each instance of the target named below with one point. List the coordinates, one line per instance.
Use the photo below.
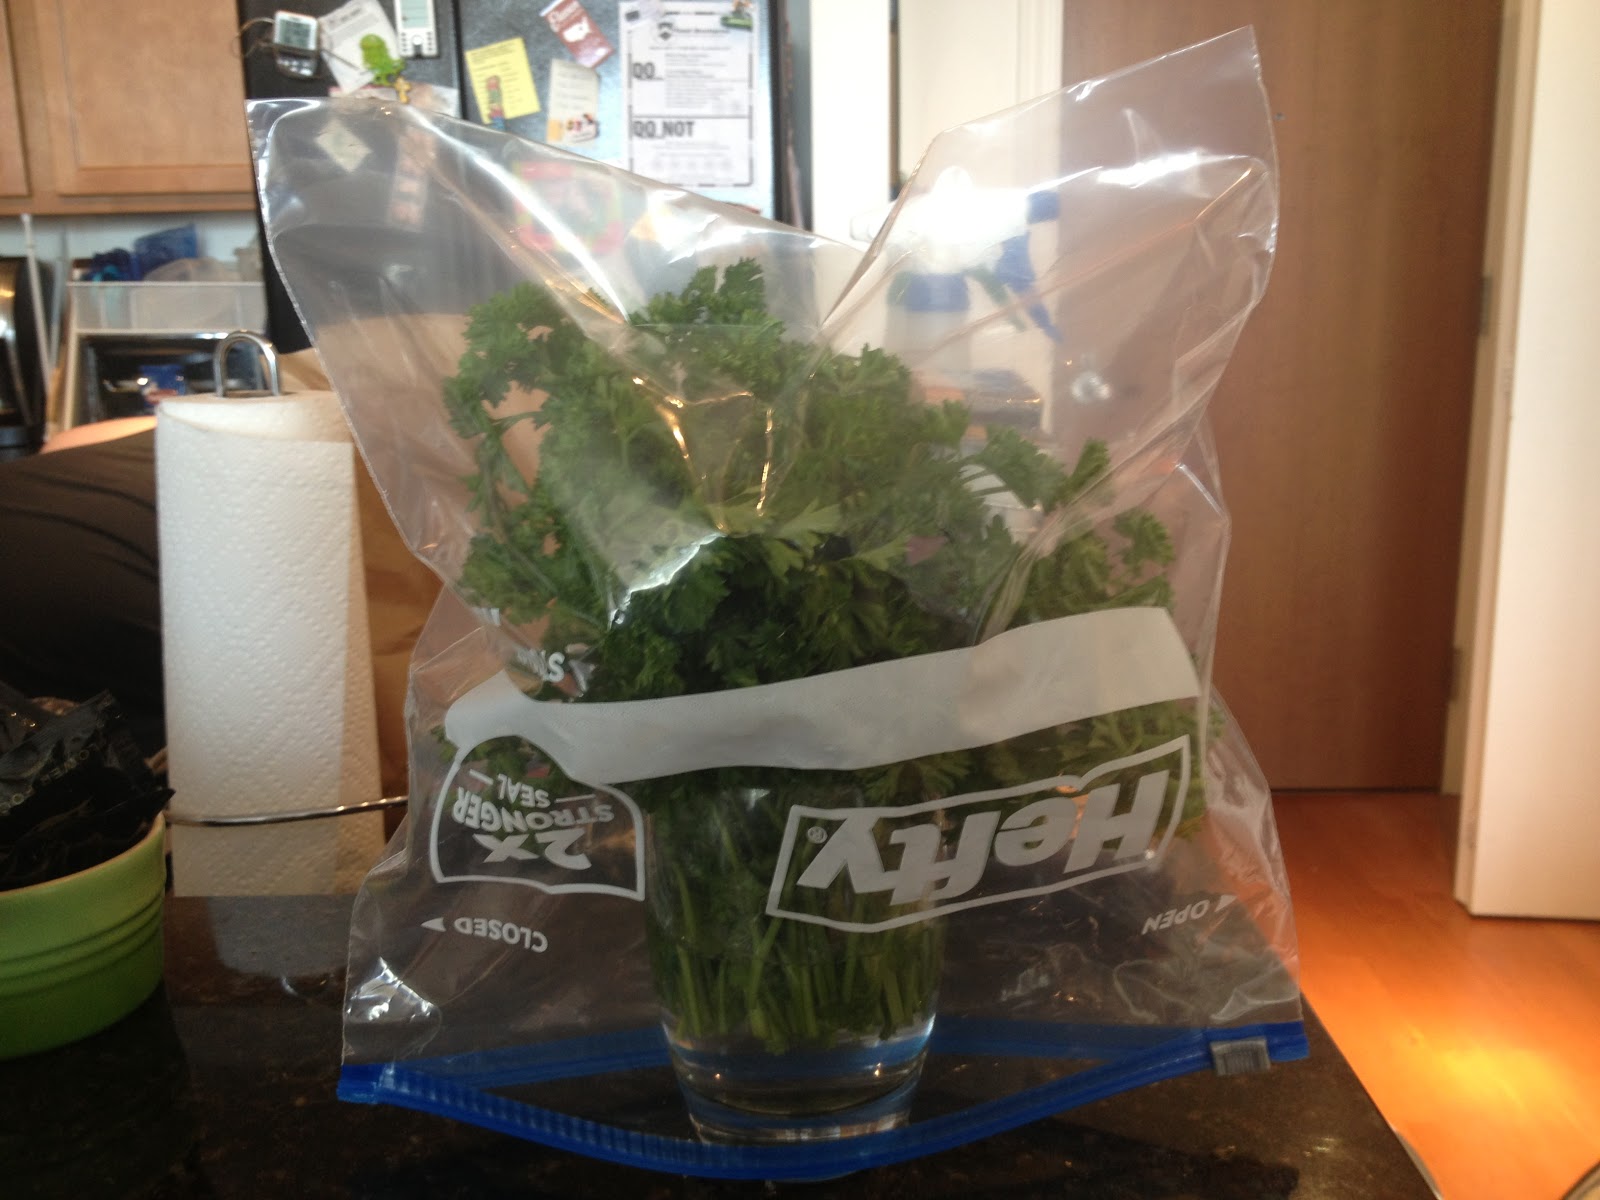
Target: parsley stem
(691, 932)
(695, 1016)
(758, 960)
(891, 994)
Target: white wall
(1530, 837)
(842, 59)
(960, 61)
(957, 61)
(79, 237)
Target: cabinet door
(13, 166)
(142, 98)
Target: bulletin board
(679, 90)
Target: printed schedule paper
(690, 92)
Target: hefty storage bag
(814, 760)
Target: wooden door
(1342, 421)
(142, 98)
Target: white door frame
(1523, 722)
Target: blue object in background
(168, 245)
(161, 379)
(112, 266)
(149, 252)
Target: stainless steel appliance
(23, 383)
(115, 370)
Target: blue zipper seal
(453, 1086)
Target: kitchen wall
(959, 61)
(57, 238)
(954, 61)
(842, 129)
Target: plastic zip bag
(813, 758)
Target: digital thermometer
(294, 43)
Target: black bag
(74, 789)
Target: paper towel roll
(269, 700)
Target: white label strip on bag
(1020, 681)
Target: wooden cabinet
(13, 166)
(122, 108)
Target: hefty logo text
(920, 861)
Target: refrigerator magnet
(577, 32)
(502, 81)
(574, 103)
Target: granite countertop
(222, 1085)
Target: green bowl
(80, 952)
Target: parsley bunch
(716, 506)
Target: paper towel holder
(269, 356)
(278, 818)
